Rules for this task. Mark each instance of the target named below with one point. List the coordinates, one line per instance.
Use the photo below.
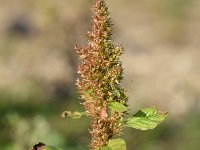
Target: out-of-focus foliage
(38, 68)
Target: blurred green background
(38, 70)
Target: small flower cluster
(100, 74)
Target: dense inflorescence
(100, 74)
(99, 84)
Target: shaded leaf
(89, 91)
(51, 148)
(117, 92)
(106, 148)
(42, 146)
(38, 146)
(74, 115)
(118, 107)
(147, 118)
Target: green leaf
(73, 115)
(51, 148)
(118, 107)
(88, 94)
(89, 91)
(117, 92)
(106, 148)
(147, 118)
(115, 144)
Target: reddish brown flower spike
(100, 74)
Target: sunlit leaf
(146, 119)
(115, 144)
(118, 107)
(74, 115)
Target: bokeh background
(38, 70)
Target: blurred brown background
(38, 70)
